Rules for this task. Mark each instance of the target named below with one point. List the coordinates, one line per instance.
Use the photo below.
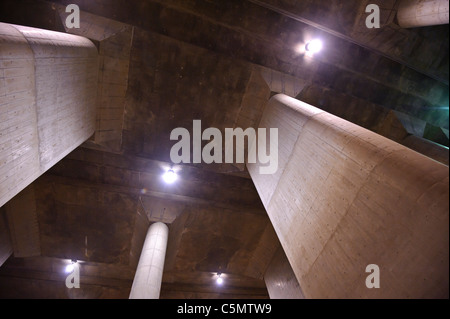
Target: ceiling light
(70, 267)
(170, 176)
(219, 279)
(314, 46)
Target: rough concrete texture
(390, 66)
(173, 61)
(420, 13)
(99, 213)
(345, 197)
(114, 62)
(280, 279)
(44, 278)
(48, 88)
(91, 26)
(347, 19)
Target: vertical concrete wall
(48, 87)
(344, 197)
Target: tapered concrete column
(280, 280)
(149, 272)
(421, 13)
(344, 197)
(48, 90)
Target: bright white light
(219, 279)
(314, 46)
(70, 268)
(170, 176)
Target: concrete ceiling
(164, 64)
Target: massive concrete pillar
(6, 248)
(344, 198)
(421, 13)
(48, 88)
(149, 272)
(22, 217)
(280, 280)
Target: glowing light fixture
(219, 279)
(70, 267)
(314, 46)
(170, 176)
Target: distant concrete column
(421, 13)
(149, 272)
